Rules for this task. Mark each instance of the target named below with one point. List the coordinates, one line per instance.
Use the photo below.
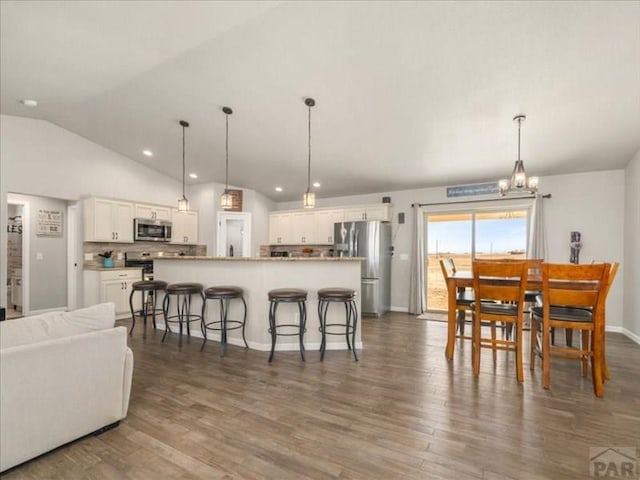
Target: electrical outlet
(88, 257)
(119, 257)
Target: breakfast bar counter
(258, 275)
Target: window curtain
(417, 300)
(537, 242)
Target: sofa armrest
(58, 390)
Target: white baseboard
(46, 310)
(399, 309)
(631, 335)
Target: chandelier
(519, 181)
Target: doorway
(39, 256)
(234, 234)
(483, 233)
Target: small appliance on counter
(279, 254)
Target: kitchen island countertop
(261, 259)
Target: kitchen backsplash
(154, 248)
(298, 250)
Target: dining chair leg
(475, 346)
(533, 343)
(596, 364)
(546, 360)
(518, 335)
(584, 346)
(494, 351)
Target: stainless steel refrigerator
(372, 241)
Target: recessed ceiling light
(316, 184)
(278, 189)
(193, 175)
(29, 102)
(148, 153)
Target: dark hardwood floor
(403, 411)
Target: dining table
(464, 279)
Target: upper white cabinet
(381, 212)
(184, 227)
(324, 225)
(154, 212)
(280, 229)
(303, 227)
(108, 220)
(315, 227)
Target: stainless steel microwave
(145, 229)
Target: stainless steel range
(140, 259)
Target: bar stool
(183, 293)
(287, 295)
(224, 294)
(347, 296)
(149, 289)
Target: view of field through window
(497, 235)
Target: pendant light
(309, 198)
(183, 203)
(519, 181)
(226, 200)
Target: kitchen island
(258, 275)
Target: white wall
(631, 272)
(40, 158)
(591, 203)
(206, 199)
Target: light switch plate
(39, 256)
(88, 257)
(404, 256)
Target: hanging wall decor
(576, 245)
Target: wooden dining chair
(504, 282)
(464, 297)
(573, 298)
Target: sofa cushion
(50, 325)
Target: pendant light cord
(183, 169)
(226, 146)
(309, 165)
(519, 125)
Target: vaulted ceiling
(409, 94)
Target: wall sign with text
(49, 223)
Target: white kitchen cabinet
(153, 212)
(108, 220)
(303, 227)
(381, 212)
(184, 227)
(280, 229)
(114, 286)
(324, 225)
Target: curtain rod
(548, 195)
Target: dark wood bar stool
(287, 295)
(150, 290)
(347, 296)
(184, 293)
(225, 294)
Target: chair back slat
(502, 281)
(560, 288)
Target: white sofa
(63, 375)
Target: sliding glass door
(465, 235)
